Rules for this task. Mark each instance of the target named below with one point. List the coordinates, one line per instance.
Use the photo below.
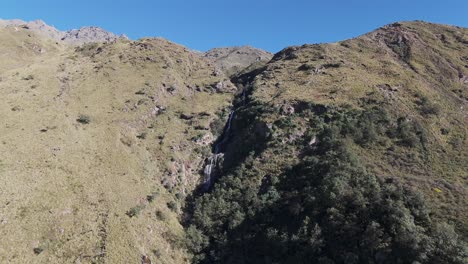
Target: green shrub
(38, 250)
(406, 133)
(173, 206)
(325, 208)
(83, 119)
(428, 108)
(160, 216)
(150, 198)
(135, 211)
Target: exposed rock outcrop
(73, 37)
(233, 59)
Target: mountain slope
(99, 143)
(120, 151)
(234, 59)
(73, 37)
(350, 152)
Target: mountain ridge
(354, 151)
(79, 36)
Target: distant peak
(89, 34)
(39, 22)
(74, 37)
(233, 59)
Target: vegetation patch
(326, 208)
(83, 119)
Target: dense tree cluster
(324, 209)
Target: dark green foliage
(326, 208)
(89, 49)
(197, 242)
(38, 250)
(253, 136)
(285, 123)
(217, 126)
(331, 65)
(171, 89)
(369, 126)
(142, 135)
(306, 67)
(408, 133)
(457, 141)
(150, 198)
(428, 108)
(141, 92)
(83, 119)
(134, 211)
(197, 137)
(172, 205)
(160, 216)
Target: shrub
(325, 208)
(142, 135)
(160, 215)
(38, 250)
(134, 211)
(406, 133)
(83, 119)
(217, 126)
(150, 198)
(173, 206)
(88, 49)
(428, 108)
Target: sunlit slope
(89, 138)
(349, 152)
(415, 71)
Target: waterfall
(209, 168)
(225, 135)
(212, 161)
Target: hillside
(232, 60)
(349, 152)
(70, 37)
(121, 151)
(97, 141)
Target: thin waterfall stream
(212, 161)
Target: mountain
(234, 59)
(74, 36)
(349, 152)
(122, 151)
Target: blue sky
(267, 24)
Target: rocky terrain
(122, 151)
(73, 37)
(231, 60)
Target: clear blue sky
(267, 24)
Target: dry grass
(67, 185)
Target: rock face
(88, 35)
(233, 59)
(73, 37)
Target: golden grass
(66, 186)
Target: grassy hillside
(426, 86)
(350, 152)
(99, 143)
